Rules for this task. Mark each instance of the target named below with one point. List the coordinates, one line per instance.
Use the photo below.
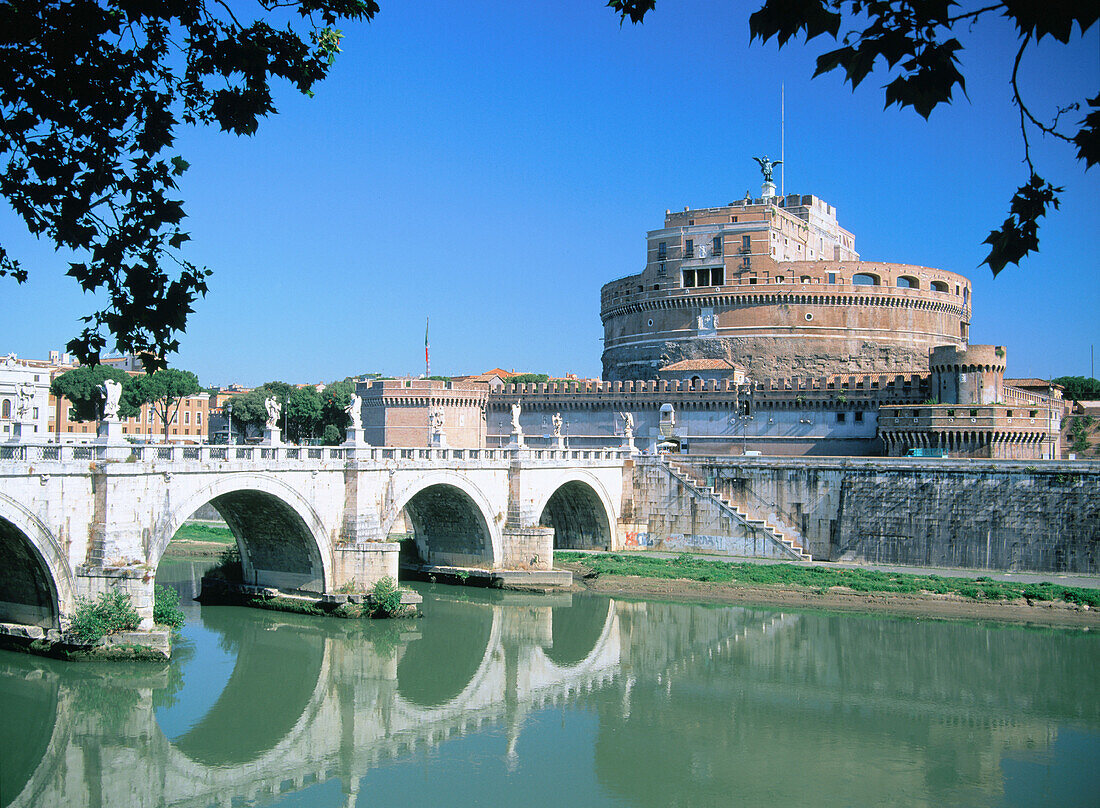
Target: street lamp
(229, 412)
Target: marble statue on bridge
(355, 411)
(112, 394)
(274, 410)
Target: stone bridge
(78, 519)
(348, 699)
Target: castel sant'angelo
(775, 285)
(756, 327)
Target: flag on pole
(427, 359)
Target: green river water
(497, 698)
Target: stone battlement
(882, 386)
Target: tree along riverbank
(689, 578)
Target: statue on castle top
(516, 409)
(556, 421)
(274, 410)
(767, 166)
(111, 391)
(355, 411)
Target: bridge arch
(452, 520)
(37, 585)
(579, 509)
(283, 541)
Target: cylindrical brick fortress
(813, 322)
(731, 283)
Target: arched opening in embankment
(27, 591)
(448, 528)
(578, 516)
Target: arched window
(805, 279)
(939, 286)
(865, 279)
(5, 410)
(908, 282)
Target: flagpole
(427, 357)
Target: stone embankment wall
(673, 513)
(999, 515)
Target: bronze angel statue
(767, 166)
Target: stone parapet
(986, 514)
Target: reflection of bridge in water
(677, 688)
(307, 703)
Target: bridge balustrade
(161, 453)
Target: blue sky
(492, 164)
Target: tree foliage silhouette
(92, 93)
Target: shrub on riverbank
(166, 607)
(821, 579)
(386, 599)
(110, 613)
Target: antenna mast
(783, 140)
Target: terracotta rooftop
(1027, 383)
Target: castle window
(973, 413)
(716, 245)
(752, 280)
(805, 279)
(689, 248)
(662, 250)
(840, 417)
(746, 243)
(859, 416)
(691, 222)
(908, 282)
(950, 413)
(832, 277)
(1008, 413)
(865, 279)
(5, 410)
(939, 286)
(733, 218)
(718, 276)
(689, 279)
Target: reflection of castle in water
(306, 704)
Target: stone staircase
(687, 476)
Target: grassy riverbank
(201, 531)
(821, 581)
(200, 540)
